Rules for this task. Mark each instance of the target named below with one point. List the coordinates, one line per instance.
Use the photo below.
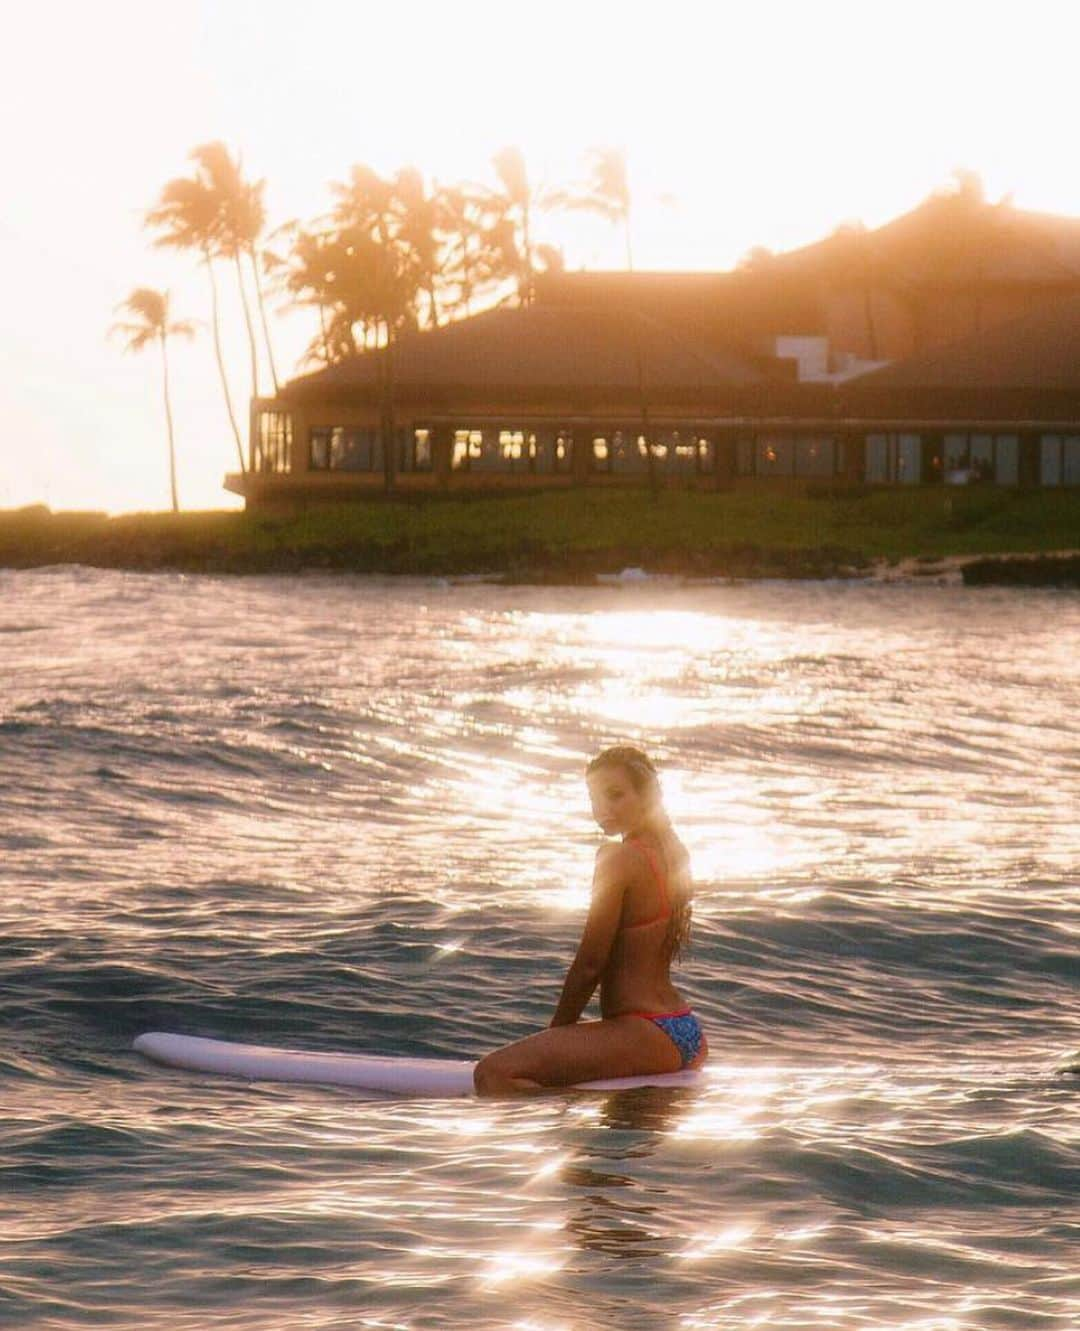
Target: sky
(767, 122)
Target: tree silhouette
(508, 226)
(419, 219)
(150, 309)
(605, 191)
(240, 221)
(243, 224)
(471, 262)
(188, 215)
(368, 265)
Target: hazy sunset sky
(745, 124)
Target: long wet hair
(675, 858)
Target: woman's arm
(609, 885)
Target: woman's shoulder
(618, 858)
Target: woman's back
(637, 974)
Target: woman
(638, 921)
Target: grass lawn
(568, 533)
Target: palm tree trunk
(654, 486)
(262, 316)
(169, 423)
(248, 325)
(322, 330)
(528, 254)
(388, 423)
(221, 361)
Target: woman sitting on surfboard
(638, 921)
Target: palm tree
(240, 218)
(189, 216)
(245, 219)
(419, 230)
(466, 264)
(151, 311)
(367, 267)
(511, 227)
(606, 192)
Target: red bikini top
(650, 856)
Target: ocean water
(348, 813)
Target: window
(629, 452)
(680, 451)
(814, 457)
(468, 449)
(774, 455)
(893, 459)
(272, 446)
(519, 450)
(560, 454)
(416, 452)
(1059, 459)
(982, 457)
(602, 453)
(341, 448)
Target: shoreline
(582, 539)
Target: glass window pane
(562, 451)
(775, 455)
(319, 449)
(1070, 460)
(813, 457)
(421, 459)
(681, 451)
(956, 451)
(273, 442)
(744, 457)
(459, 459)
(877, 458)
(1007, 459)
(982, 457)
(1050, 459)
(909, 459)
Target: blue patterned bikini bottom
(684, 1031)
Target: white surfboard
(367, 1072)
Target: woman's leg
(624, 1046)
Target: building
(1002, 406)
(520, 398)
(718, 379)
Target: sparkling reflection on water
(346, 813)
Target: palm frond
(137, 335)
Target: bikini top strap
(661, 878)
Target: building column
(442, 454)
(582, 455)
(1029, 461)
(854, 455)
(300, 461)
(933, 451)
(726, 449)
